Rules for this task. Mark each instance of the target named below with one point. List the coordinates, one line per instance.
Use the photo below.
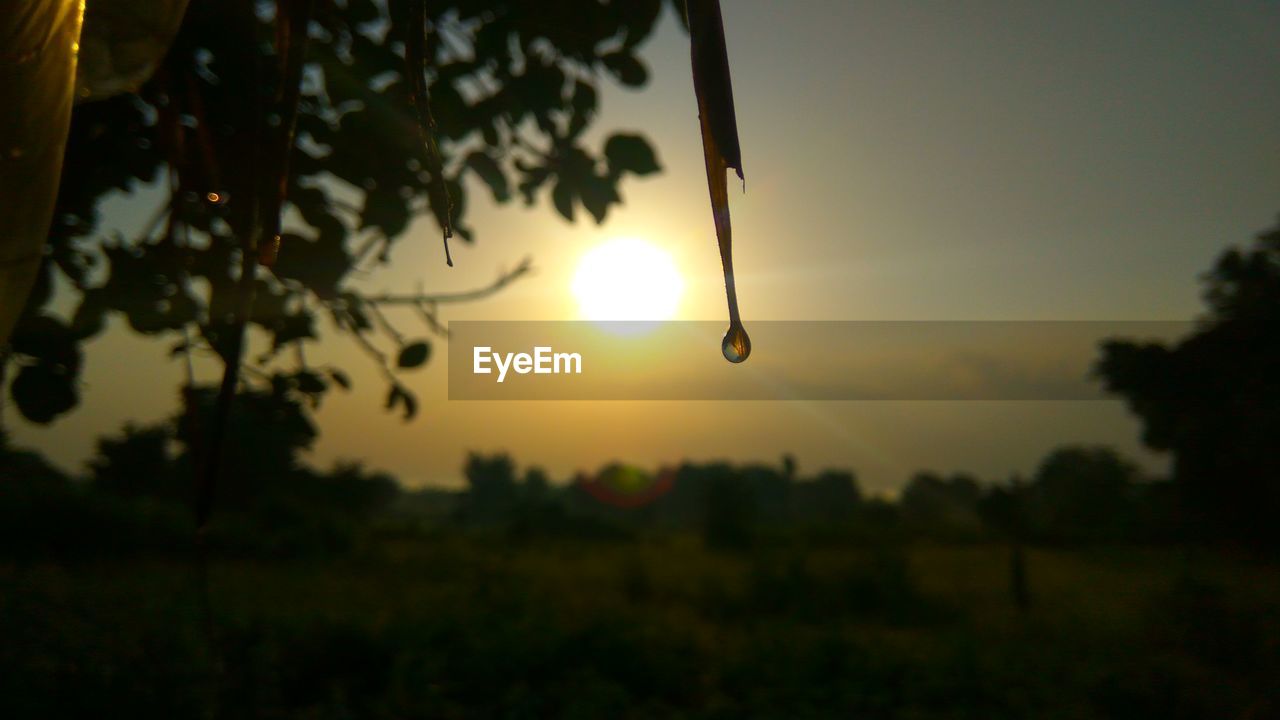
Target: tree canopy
(513, 88)
(1213, 399)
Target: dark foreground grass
(473, 628)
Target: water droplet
(215, 198)
(736, 345)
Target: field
(470, 626)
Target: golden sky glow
(923, 161)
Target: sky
(904, 161)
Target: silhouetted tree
(263, 445)
(1081, 493)
(934, 504)
(771, 489)
(138, 463)
(535, 484)
(1002, 509)
(729, 509)
(789, 467)
(1213, 399)
(491, 488)
(832, 496)
(513, 88)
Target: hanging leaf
(711, 82)
(583, 102)
(291, 328)
(720, 147)
(597, 194)
(386, 211)
(90, 317)
(43, 391)
(318, 263)
(46, 338)
(626, 67)
(410, 404)
(309, 382)
(562, 196)
(340, 378)
(630, 153)
(414, 355)
(491, 173)
(398, 396)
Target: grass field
(464, 627)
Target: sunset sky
(904, 161)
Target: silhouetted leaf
(640, 17)
(584, 104)
(319, 264)
(291, 328)
(340, 378)
(309, 382)
(562, 196)
(597, 194)
(354, 311)
(720, 148)
(398, 396)
(90, 317)
(626, 67)
(385, 211)
(712, 84)
(414, 354)
(43, 392)
(491, 173)
(630, 153)
(43, 336)
(410, 403)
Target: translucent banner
(790, 360)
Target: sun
(627, 279)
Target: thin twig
(428, 312)
(369, 348)
(525, 267)
(381, 319)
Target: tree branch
(525, 267)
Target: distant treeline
(136, 496)
(1078, 494)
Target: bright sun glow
(627, 279)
